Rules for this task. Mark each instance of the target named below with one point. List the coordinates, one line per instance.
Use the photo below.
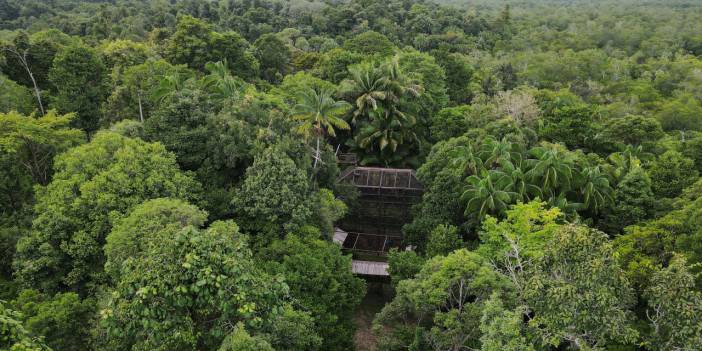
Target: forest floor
(372, 303)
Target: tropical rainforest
(168, 174)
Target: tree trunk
(141, 111)
(316, 154)
(23, 60)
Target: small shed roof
(381, 178)
(369, 268)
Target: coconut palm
(319, 114)
(377, 92)
(520, 184)
(466, 157)
(496, 153)
(489, 194)
(594, 188)
(367, 87)
(551, 170)
(220, 81)
(169, 85)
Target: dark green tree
(79, 81)
(320, 279)
(671, 173)
(274, 57)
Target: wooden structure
(374, 225)
(369, 268)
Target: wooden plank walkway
(370, 268)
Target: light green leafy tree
(35, 141)
(443, 240)
(441, 307)
(191, 289)
(274, 196)
(63, 320)
(14, 336)
(502, 329)
(674, 308)
(129, 234)
(94, 184)
(578, 293)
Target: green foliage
(124, 53)
(41, 49)
(274, 196)
(682, 114)
(403, 265)
(194, 43)
(34, 141)
(675, 309)
(459, 72)
(521, 236)
(180, 123)
(321, 281)
(274, 57)
(63, 321)
(14, 97)
(131, 234)
(14, 336)
(431, 77)
(633, 201)
(335, 63)
(182, 291)
(240, 340)
(329, 210)
(578, 293)
(443, 240)
(370, 43)
(671, 173)
(633, 130)
(451, 122)
(502, 329)
(79, 80)
(93, 185)
(134, 90)
(442, 305)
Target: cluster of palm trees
(373, 98)
(500, 173)
(384, 131)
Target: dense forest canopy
(168, 173)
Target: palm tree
(319, 113)
(377, 92)
(496, 153)
(169, 85)
(552, 169)
(374, 86)
(384, 134)
(620, 163)
(367, 87)
(466, 157)
(595, 188)
(220, 81)
(487, 195)
(520, 184)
